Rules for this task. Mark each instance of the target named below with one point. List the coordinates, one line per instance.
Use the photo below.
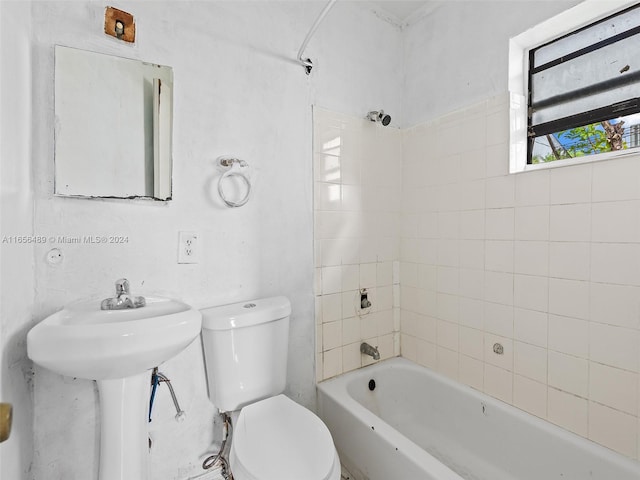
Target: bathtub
(419, 425)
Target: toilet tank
(245, 351)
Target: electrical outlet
(188, 247)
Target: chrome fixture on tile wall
(378, 116)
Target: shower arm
(306, 62)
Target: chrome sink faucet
(123, 298)
(369, 350)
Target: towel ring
(228, 164)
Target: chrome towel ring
(233, 168)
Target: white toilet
(274, 438)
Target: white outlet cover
(188, 247)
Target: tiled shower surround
(357, 179)
(544, 263)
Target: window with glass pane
(584, 91)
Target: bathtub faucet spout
(369, 350)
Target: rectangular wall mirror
(113, 126)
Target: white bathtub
(419, 425)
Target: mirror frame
(77, 155)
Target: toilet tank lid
(245, 314)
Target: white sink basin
(117, 348)
(83, 341)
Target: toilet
(274, 438)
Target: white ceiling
(400, 11)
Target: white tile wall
(530, 395)
(471, 372)
(569, 335)
(568, 373)
(615, 221)
(531, 257)
(615, 304)
(614, 387)
(498, 383)
(617, 263)
(532, 223)
(546, 263)
(570, 223)
(531, 292)
(570, 185)
(567, 410)
(569, 260)
(499, 224)
(530, 361)
(619, 180)
(613, 428)
(533, 189)
(357, 195)
(530, 326)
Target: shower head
(379, 117)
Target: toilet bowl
(273, 437)
(277, 439)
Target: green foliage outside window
(577, 142)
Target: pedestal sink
(117, 348)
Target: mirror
(113, 126)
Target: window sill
(600, 157)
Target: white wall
(236, 91)
(456, 55)
(545, 262)
(16, 260)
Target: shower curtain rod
(306, 62)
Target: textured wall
(236, 91)
(16, 219)
(457, 55)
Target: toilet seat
(277, 439)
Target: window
(578, 94)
